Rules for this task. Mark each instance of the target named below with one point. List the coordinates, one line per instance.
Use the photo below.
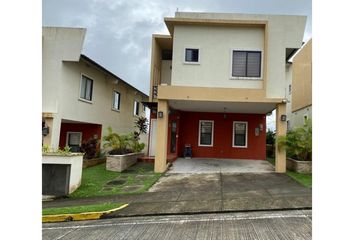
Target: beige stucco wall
(61, 85)
(100, 110)
(215, 54)
(283, 32)
(299, 75)
(302, 78)
(166, 66)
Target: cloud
(119, 31)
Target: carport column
(162, 133)
(280, 155)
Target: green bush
(298, 142)
(115, 143)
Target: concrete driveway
(214, 165)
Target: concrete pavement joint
(182, 221)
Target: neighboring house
(214, 79)
(299, 87)
(80, 97)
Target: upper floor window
(246, 63)
(116, 100)
(86, 88)
(240, 134)
(136, 108)
(192, 55)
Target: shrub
(89, 148)
(298, 142)
(270, 137)
(117, 144)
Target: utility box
(56, 179)
(187, 151)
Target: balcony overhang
(222, 107)
(209, 94)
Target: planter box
(299, 166)
(92, 162)
(73, 165)
(119, 163)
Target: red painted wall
(222, 143)
(88, 131)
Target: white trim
(245, 78)
(212, 134)
(113, 98)
(83, 99)
(67, 137)
(184, 55)
(233, 134)
(134, 109)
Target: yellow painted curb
(78, 216)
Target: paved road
(283, 225)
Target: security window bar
(206, 133)
(116, 100)
(192, 55)
(246, 63)
(240, 134)
(86, 88)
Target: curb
(79, 216)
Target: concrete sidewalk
(208, 193)
(217, 165)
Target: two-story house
(299, 87)
(80, 98)
(213, 80)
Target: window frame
(212, 134)
(233, 134)
(185, 55)
(81, 79)
(134, 108)
(67, 138)
(246, 78)
(113, 101)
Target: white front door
(152, 145)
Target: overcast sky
(119, 31)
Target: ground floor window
(239, 134)
(206, 132)
(73, 140)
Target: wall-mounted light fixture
(283, 118)
(261, 127)
(45, 131)
(160, 114)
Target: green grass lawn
(302, 178)
(81, 209)
(136, 179)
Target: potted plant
(123, 150)
(298, 143)
(55, 180)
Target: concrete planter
(93, 162)
(73, 160)
(299, 166)
(119, 163)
